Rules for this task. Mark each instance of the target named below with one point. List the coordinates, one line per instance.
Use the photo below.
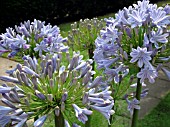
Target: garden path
(156, 91)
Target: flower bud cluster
(84, 33)
(59, 85)
(32, 38)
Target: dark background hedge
(12, 12)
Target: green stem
(87, 124)
(90, 52)
(35, 118)
(136, 111)
(111, 117)
(59, 120)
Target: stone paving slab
(6, 64)
(157, 91)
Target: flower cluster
(137, 36)
(84, 33)
(32, 38)
(59, 84)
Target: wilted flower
(55, 85)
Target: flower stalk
(59, 120)
(91, 54)
(138, 96)
(88, 123)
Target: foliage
(159, 116)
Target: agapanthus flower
(84, 33)
(158, 37)
(81, 113)
(167, 9)
(53, 85)
(147, 73)
(121, 17)
(137, 18)
(167, 72)
(31, 39)
(142, 5)
(105, 109)
(159, 17)
(133, 104)
(141, 55)
(131, 45)
(41, 47)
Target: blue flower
(147, 73)
(159, 17)
(81, 113)
(52, 86)
(158, 36)
(137, 18)
(134, 104)
(28, 36)
(105, 110)
(142, 5)
(41, 47)
(167, 9)
(39, 122)
(141, 55)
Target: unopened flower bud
(8, 103)
(85, 98)
(51, 83)
(34, 81)
(64, 96)
(158, 67)
(24, 78)
(87, 78)
(14, 97)
(96, 81)
(128, 31)
(64, 76)
(163, 48)
(85, 70)
(89, 26)
(26, 102)
(50, 72)
(29, 71)
(131, 79)
(26, 63)
(125, 55)
(57, 111)
(50, 97)
(9, 79)
(32, 63)
(40, 95)
(62, 106)
(18, 76)
(5, 89)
